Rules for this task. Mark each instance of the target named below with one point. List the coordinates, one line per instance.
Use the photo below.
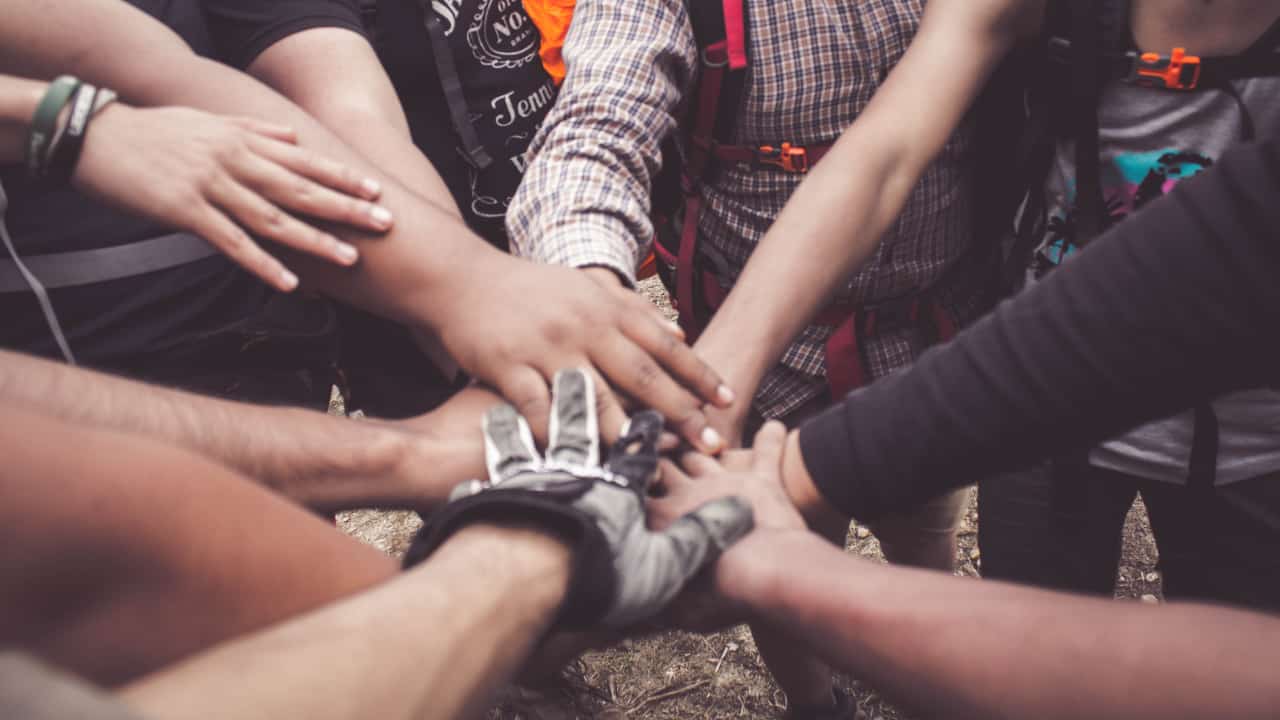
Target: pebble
(862, 533)
(1150, 599)
(1152, 577)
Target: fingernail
(288, 280)
(725, 395)
(381, 216)
(347, 254)
(371, 187)
(711, 438)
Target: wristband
(44, 123)
(65, 150)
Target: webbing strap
(86, 267)
(1085, 50)
(735, 33)
(1203, 467)
(31, 282)
(451, 83)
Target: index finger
(669, 350)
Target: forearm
(585, 198)
(18, 101)
(318, 460)
(837, 217)
(956, 648)
(404, 274)
(334, 75)
(1172, 307)
(433, 643)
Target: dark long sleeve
(1173, 306)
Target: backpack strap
(1090, 21)
(1177, 70)
(459, 114)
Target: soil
(680, 676)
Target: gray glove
(623, 572)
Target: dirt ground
(681, 676)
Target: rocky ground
(682, 676)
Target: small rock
(862, 533)
(974, 554)
(1151, 577)
(1150, 599)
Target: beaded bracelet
(44, 123)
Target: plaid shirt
(814, 66)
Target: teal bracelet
(44, 124)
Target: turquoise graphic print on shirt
(1129, 182)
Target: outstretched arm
(433, 643)
(204, 174)
(851, 199)
(951, 647)
(323, 462)
(1174, 306)
(956, 648)
(428, 271)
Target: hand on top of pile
(512, 324)
(226, 178)
(624, 572)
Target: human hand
(222, 178)
(624, 572)
(523, 321)
(755, 476)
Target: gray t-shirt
(1150, 140)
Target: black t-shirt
(494, 46)
(1179, 304)
(132, 322)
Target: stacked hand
(512, 324)
(624, 572)
(224, 178)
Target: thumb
(660, 564)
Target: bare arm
(951, 647)
(204, 174)
(428, 272)
(585, 198)
(433, 643)
(334, 75)
(841, 211)
(321, 461)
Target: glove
(622, 572)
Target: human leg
(1057, 525)
(119, 554)
(1219, 545)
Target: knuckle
(647, 375)
(273, 218)
(302, 189)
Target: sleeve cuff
(588, 244)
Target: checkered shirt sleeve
(584, 199)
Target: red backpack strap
(721, 35)
(735, 33)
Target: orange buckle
(1178, 71)
(790, 158)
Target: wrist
(821, 517)
(752, 575)
(538, 561)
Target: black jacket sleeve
(1175, 305)
(242, 29)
